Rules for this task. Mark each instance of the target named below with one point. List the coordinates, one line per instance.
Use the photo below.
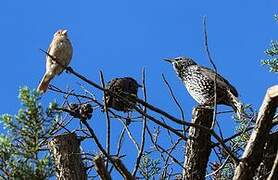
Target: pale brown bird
(61, 49)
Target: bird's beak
(65, 32)
(168, 60)
(139, 85)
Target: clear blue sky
(121, 37)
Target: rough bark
(198, 145)
(274, 171)
(269, 153)
(253, 152)
(65, 151)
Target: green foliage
(148, 167)
(272, 52)
(241, 140)
(272, 62)
(23, 152)
(238, 143)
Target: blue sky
(121, 37)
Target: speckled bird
(126, 87)
(199, 82)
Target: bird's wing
(50, 62)
(111, 86)
(222, 82)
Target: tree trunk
(198, 145)
(66, 154)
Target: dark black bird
(126, 87)
(199, 82)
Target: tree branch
(252, 155)
(101, 169)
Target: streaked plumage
(199, 81)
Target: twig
(226, 149)
(215, 70)
(130, 135)
(218, 169)
(175, 100)
(108, 128)
(171, 149)
(162, 150)
(143, 127)
(97, 141)
(119, 146)
(233, 136)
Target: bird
(60, 49)
(126, 87)
(199, 82)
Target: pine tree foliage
(272, 53)
(23, 152)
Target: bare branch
(214, 68)
(101, 169)
(175, 100)
(138, 159)
(122, 169)
(93, 135)
(108, 128)
(233, 136)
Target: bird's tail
(236, 105)
(44, 83)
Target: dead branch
(122, 169)
(143, 137)
(198, 145)
(66, 154)
(252, 155)
(175, 100)
(214, 68)
(101, 169)
(108, 122)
